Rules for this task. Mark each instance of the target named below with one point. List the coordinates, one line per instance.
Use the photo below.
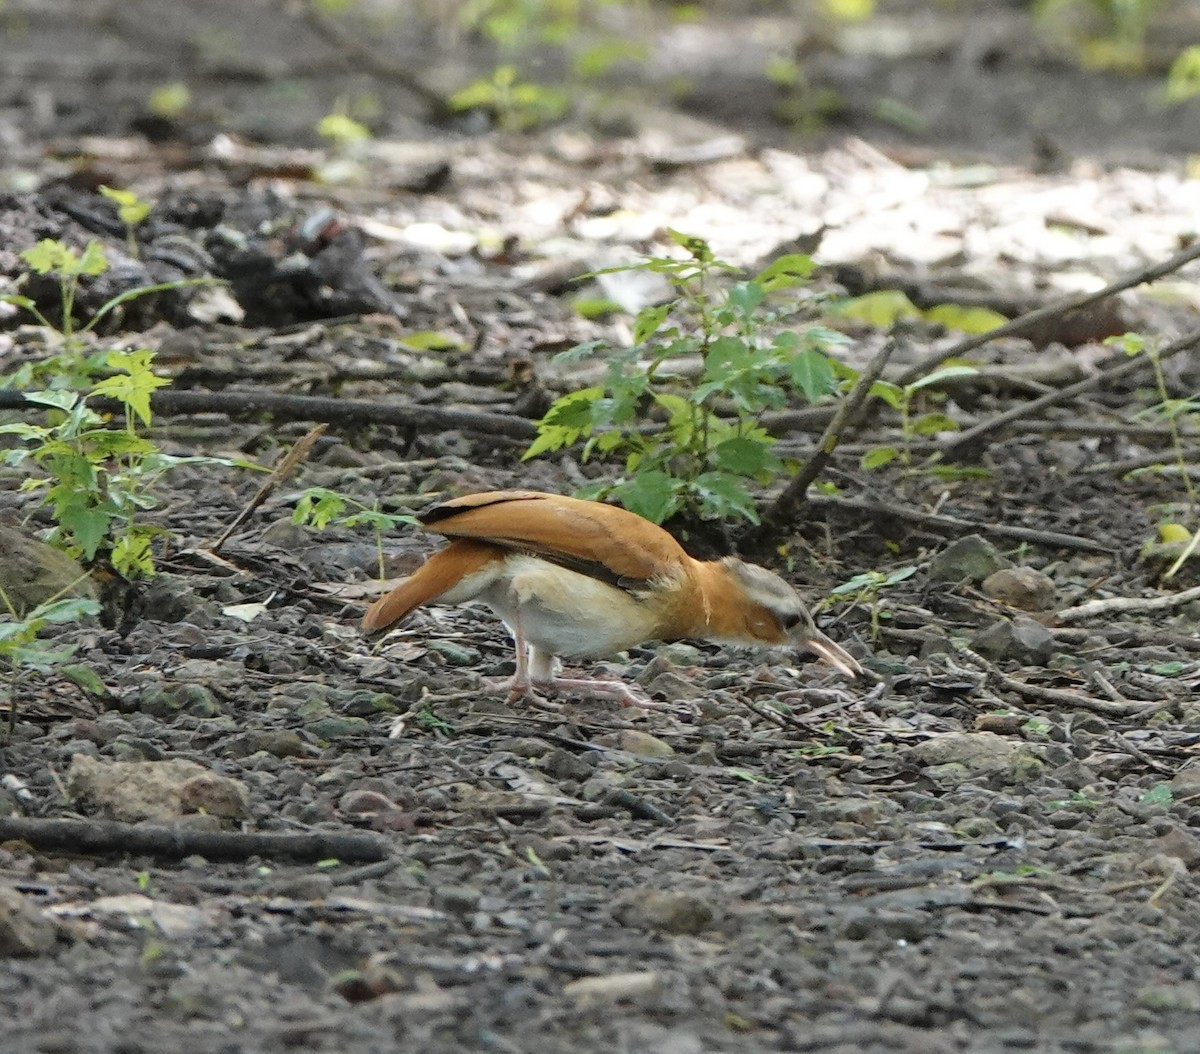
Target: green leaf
(812, 373)
(87, 523)
(60, 400)
(432, 340)
(697, 247)
(881, 309)
(944, 374)
(49, 255)
(68, 609)
(892, 394)
(1159, 794)
(723, 494)
(931, 424)
(1168, 669)
(318, 506)
(785, 272)
(879, 457)
(746, 297)
(741, 455)
(652, 494)
(83, 676)
(977, 320)
(132, 556)
(648, 322)
(93, 261)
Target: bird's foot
(524, 689)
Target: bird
(578, 579)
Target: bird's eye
(790, 621)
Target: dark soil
(988, 844)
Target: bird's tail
(455, 572)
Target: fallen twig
(962, 441)
(781, 514)
(1125, 605)
(1059, 307)
(954, 524)
(1058, 696)
(110, 836)
(287, 465)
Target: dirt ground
(294, 838)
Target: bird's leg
(543, 675)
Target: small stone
(455, 654)
(339, 727)
(643, 744)
(1021, 587)
(24, 930)
(1180, 844)
(679, 913)
(562, 764)
(613, 987)
(153, 790)
(978, 752)
(969, 559)
(1022, 640)
(366, 801)
(458, 900)
(215, 795)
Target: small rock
(32, 572)
(1022, 640)
(339, 727)
(1181, 844)
(457, 900)
(970, 559)
(131, 791)
(1186, 781)
(215, 795)
(23, 929)
(455, 654)
(978, 752)
(366, 801)
(613, 987)
(642, 744)
(562, 764)
(1021, 587)
(648, 909)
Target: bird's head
(769, 611)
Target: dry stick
(1059, 307)
(1059, 696)
(782, 512)
(257, 402)
(109, 836)
(941, 522)
(963, 440)
(1124, 605)
(281, 472)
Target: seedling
(132, 210)
(320, 507)
(22, 651)
(100, 479)
(866, 587)
(902, 398)
(696, 462)
(69, 267)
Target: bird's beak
(831, 652)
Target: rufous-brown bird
(581, 580)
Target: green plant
(903, 398)
(131, 209)
(69, 267)
(516, 105)
(1109, 34)
(1167, 408)
(320, 507)
(22, 651)
(866, 587)
(700, 461)
(100, 479)
(1183, 78)
(524, 28)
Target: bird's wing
(602, 541)
(463, 566)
